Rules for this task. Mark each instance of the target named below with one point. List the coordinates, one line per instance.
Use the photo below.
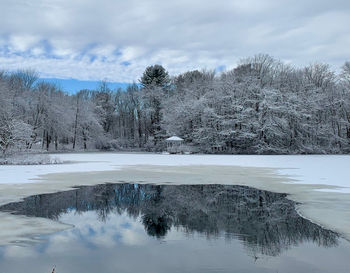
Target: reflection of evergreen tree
(266, 222)
(156, 225)
(156, 217)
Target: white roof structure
(174, 138)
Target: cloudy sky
(116, 39)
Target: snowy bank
(29, 159)
(328, 170)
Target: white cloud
(93, 40)
(22, 42)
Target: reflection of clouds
(20, 252)
(121, 245)
(91, 233)
(210, 228)
(268, 220)
(23, 230)
(134, 237)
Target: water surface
(173, 228)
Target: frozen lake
(213, 213)
(327, 170)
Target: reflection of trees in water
(266, 222)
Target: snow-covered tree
(260, 106)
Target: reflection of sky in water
(121, 244)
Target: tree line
(262, 106)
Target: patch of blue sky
(92, 58)
(125, 63)
(46, 46)
(117, 53)
(86, 52)
(73, 85)
(46, 50)
(220, 68)
(5, 50)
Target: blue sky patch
(73, 86)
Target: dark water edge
(220, 228)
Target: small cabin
(174, 144)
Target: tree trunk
(76, 125)
(47, 141)
(85, 139)
(56, 143)
(43, 140)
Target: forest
(262, 106)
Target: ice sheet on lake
(306, 169)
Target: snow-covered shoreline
(328, 170)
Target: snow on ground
(306, 169)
